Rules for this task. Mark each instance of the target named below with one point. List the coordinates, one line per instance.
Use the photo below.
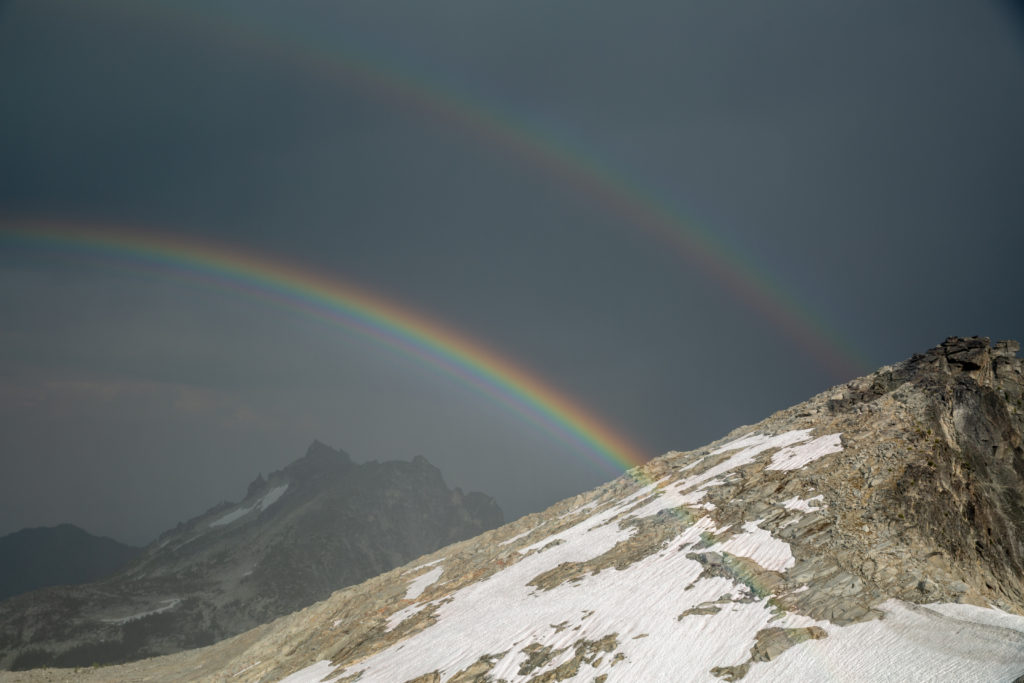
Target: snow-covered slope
(872, 533)
(261, 504)
(700, 606)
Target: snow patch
(748, 448)
(597, 523)
(421, 566)
(242, 671)
(762, 442)
(268, 499)
(272, 496)
(803, 504)
(518, 536)
(795, 457)
(669, 498)
(167, 606)
(232, 516)
(404, 613)
(421, 583)
(691, 465)
(760, 546)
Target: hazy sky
(682, 215)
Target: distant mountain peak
(321, 451)
(257, 486)
(320, 523)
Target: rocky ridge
(321, 523)
(871, 533)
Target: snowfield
(908, 640)
(420, 583)
(663, 617)
(268, 499)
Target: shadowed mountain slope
(319, 524)
(58, 555)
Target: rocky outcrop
(871, 533)
(321, 523)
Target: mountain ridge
(318, 524)
(63, 554)
(871, 532)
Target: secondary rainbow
(331, 299)
(600, 184)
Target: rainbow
(330, 299)
(601, 186)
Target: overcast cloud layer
(863, 162)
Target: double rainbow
(601, 185)
(357, 309)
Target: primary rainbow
(329, 298)
(599, 184)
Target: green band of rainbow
(358, 309)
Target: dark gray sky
(861, 162)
